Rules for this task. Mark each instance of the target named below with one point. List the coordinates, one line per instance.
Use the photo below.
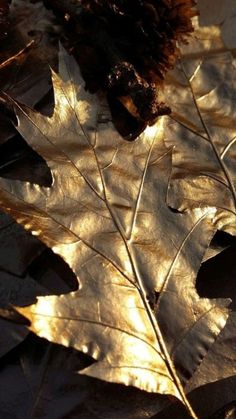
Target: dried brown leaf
(20, 291)
(43, 380)
(25, 54)
(220, 360)
(202, 127)
(13, 335)
(18, 248)
(106, 215)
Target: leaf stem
(162, 344)
(142, 293)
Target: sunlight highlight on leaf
(106, 215)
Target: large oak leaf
(106, 215)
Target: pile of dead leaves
(132, 294)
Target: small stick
(18, 55)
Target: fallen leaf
(43, 381)
(227, 412)
(15, 291)
(18, 247)
(106, 216)
(220, 242)
(202, 127)
(19, 291)
(25, 54)
(19, 161)
(51, 272)
(218, 21)
(13, 336)
(206, 400)
(39, 382)
(220, 359)
(217, 278)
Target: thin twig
(18, 55)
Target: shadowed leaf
(18, 248)
(43, 381)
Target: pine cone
(146, 33)
(126, 47)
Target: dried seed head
(126, 48)
(146, 33)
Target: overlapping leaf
(217, 277)
(203, 129)
(45, 384)
(105, 214)
(220, 359)
(25, 54)
(18, 248)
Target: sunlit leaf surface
(136, 310)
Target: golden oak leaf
(106, 215)
(202, 127)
